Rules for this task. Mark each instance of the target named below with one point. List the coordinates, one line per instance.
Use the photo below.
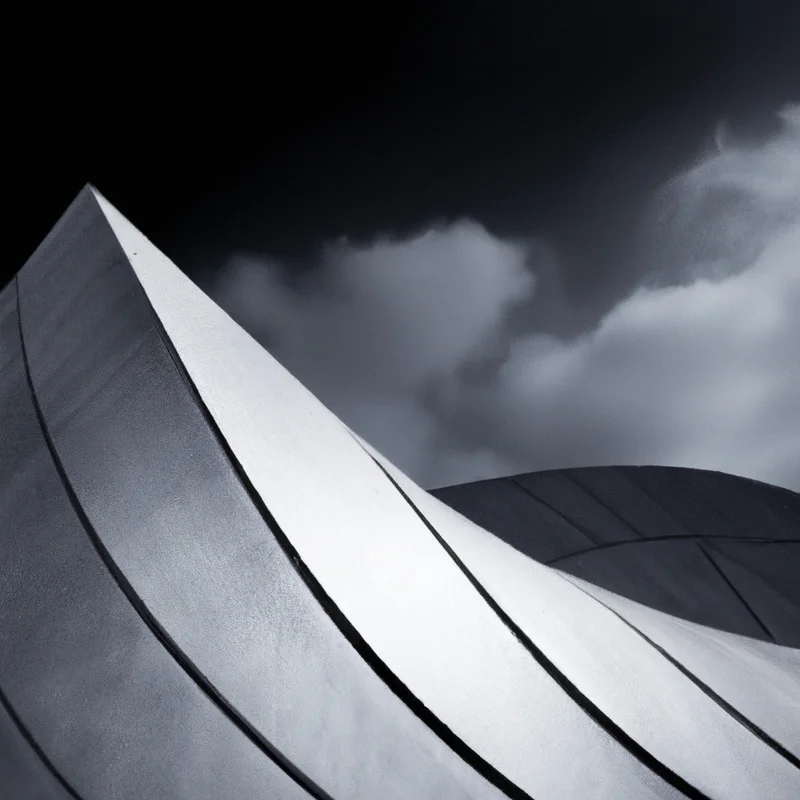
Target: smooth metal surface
(113, 712)
(759, 679)
(211, 589)
(520, 518)
(670, 575)
(626, 678)
(175, 518)
(378, 562)
(766, 578)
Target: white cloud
(697, 367)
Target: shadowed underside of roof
(719, 550)
(211, 589)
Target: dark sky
(283, 132)
(539, 165)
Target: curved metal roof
(211, 588)
(719, 550)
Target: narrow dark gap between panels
(34, 745)
(560, 514)
(602, 503)
(729, 583)
(345, 627)
(729, 709)
(581, 700)
(155, 627)
(689, 537)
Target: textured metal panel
(759, 680)
(23, 773)
(209, 588)
(379, 563)
(105, 701)
(169, 507)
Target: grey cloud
(704, 375)
(375, 326)
(714, 218)
(698, 366)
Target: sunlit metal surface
(211, 588)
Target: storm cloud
(412, 341)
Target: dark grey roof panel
(24, 774)
(707, 503)
(570, 495)
(647, 525)
(670, 575)
(767, 579)
(8, 299)
(104, 700)
(168, 506)
(637, 511)
(507, 505)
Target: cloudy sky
(433, 346)
(492, 237)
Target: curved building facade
(211, 589)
